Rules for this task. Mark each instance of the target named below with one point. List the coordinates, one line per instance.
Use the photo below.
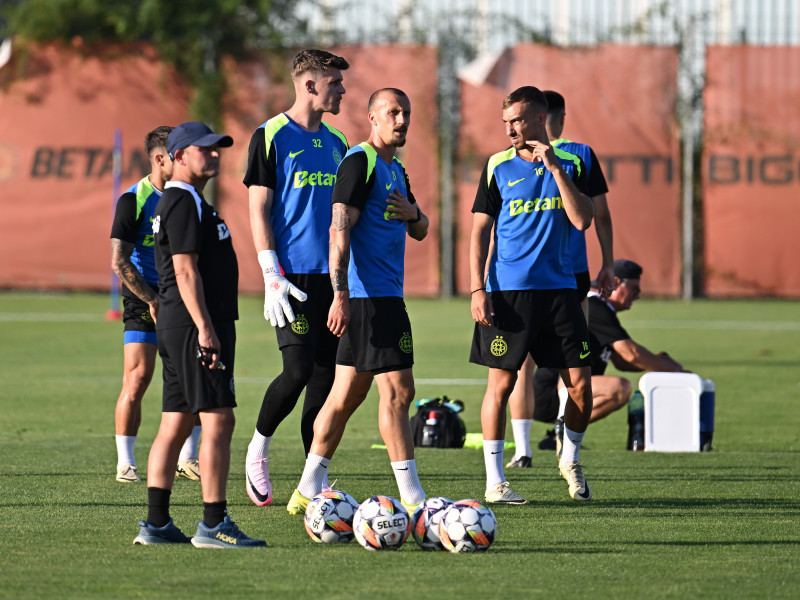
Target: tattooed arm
(343, 219)
(121, 252)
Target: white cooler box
(672, 411)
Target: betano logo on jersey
(304, 178)
(517, 207)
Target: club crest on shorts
(300, 325)
(498, 347)
(146, 316)
(406, 343)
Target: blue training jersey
(531, 227)
(596, 185)
(133, 222)
(377, 244)
(302, 171)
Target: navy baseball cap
(194, 133)
(627, 269)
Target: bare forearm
(260, 203)
(121, 252)
(478, 252)
(578, 206)
(418, 230)
(639, 358)
(190, 287)
(604, 229)
(339, 248)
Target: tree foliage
(193, 35)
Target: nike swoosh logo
(261, 497)
(498, 452)
(406, 469)
(293, 154)
(586, 492)
(512, 183)
(388, 186)
(584, 355)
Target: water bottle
(430, 431)
(636, 422)
(707, 401)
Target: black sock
(214, 513)
(158, 506)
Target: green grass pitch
(724, 524)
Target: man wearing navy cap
(198, 306)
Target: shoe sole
(120, 480)
(152, 540)
(296, 510)
(212, 543)
(183, 474)
(251, 492)
(522, 501)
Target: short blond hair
(316, 61)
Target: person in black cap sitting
(198, 306)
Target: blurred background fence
(690, 105)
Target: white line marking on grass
(730, 325)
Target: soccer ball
(329, 517)
(467, 526)
(425, 522)
(381, 523)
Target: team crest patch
(337, 156)
(147, 317)
(406, 343)
(498, 347)
(300, 325)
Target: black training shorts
(547, 323)
(378, 338)
(136, 313)
(189, 386)
(310, 325)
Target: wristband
(478, 290)
(268, 259)
(419, 215)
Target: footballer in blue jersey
(373, 212)
(133, 260)
(528, 198)
(291, 171)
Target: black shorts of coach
(548, 324)
(378, 338)
(190, 386)
(136, 313)
(310, 325)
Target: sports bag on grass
(437, 423)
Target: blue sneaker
(224, 535)
(168, 534)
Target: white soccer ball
(467, 526)
(381, 523)
(329, 517)
(425, 522)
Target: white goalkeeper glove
(276, 290)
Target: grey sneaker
(168, 534)
(188, 469)
(128, 474)
(572, 472)
(523, 462)
(225, 535)
(501, 493)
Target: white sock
(259, 445)
(405, 473)
(493, 459)
(189, 448)
(315, 475)
(522, 437)
(572, 445)
(125, 445)
(563, 395)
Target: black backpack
(437, 423)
